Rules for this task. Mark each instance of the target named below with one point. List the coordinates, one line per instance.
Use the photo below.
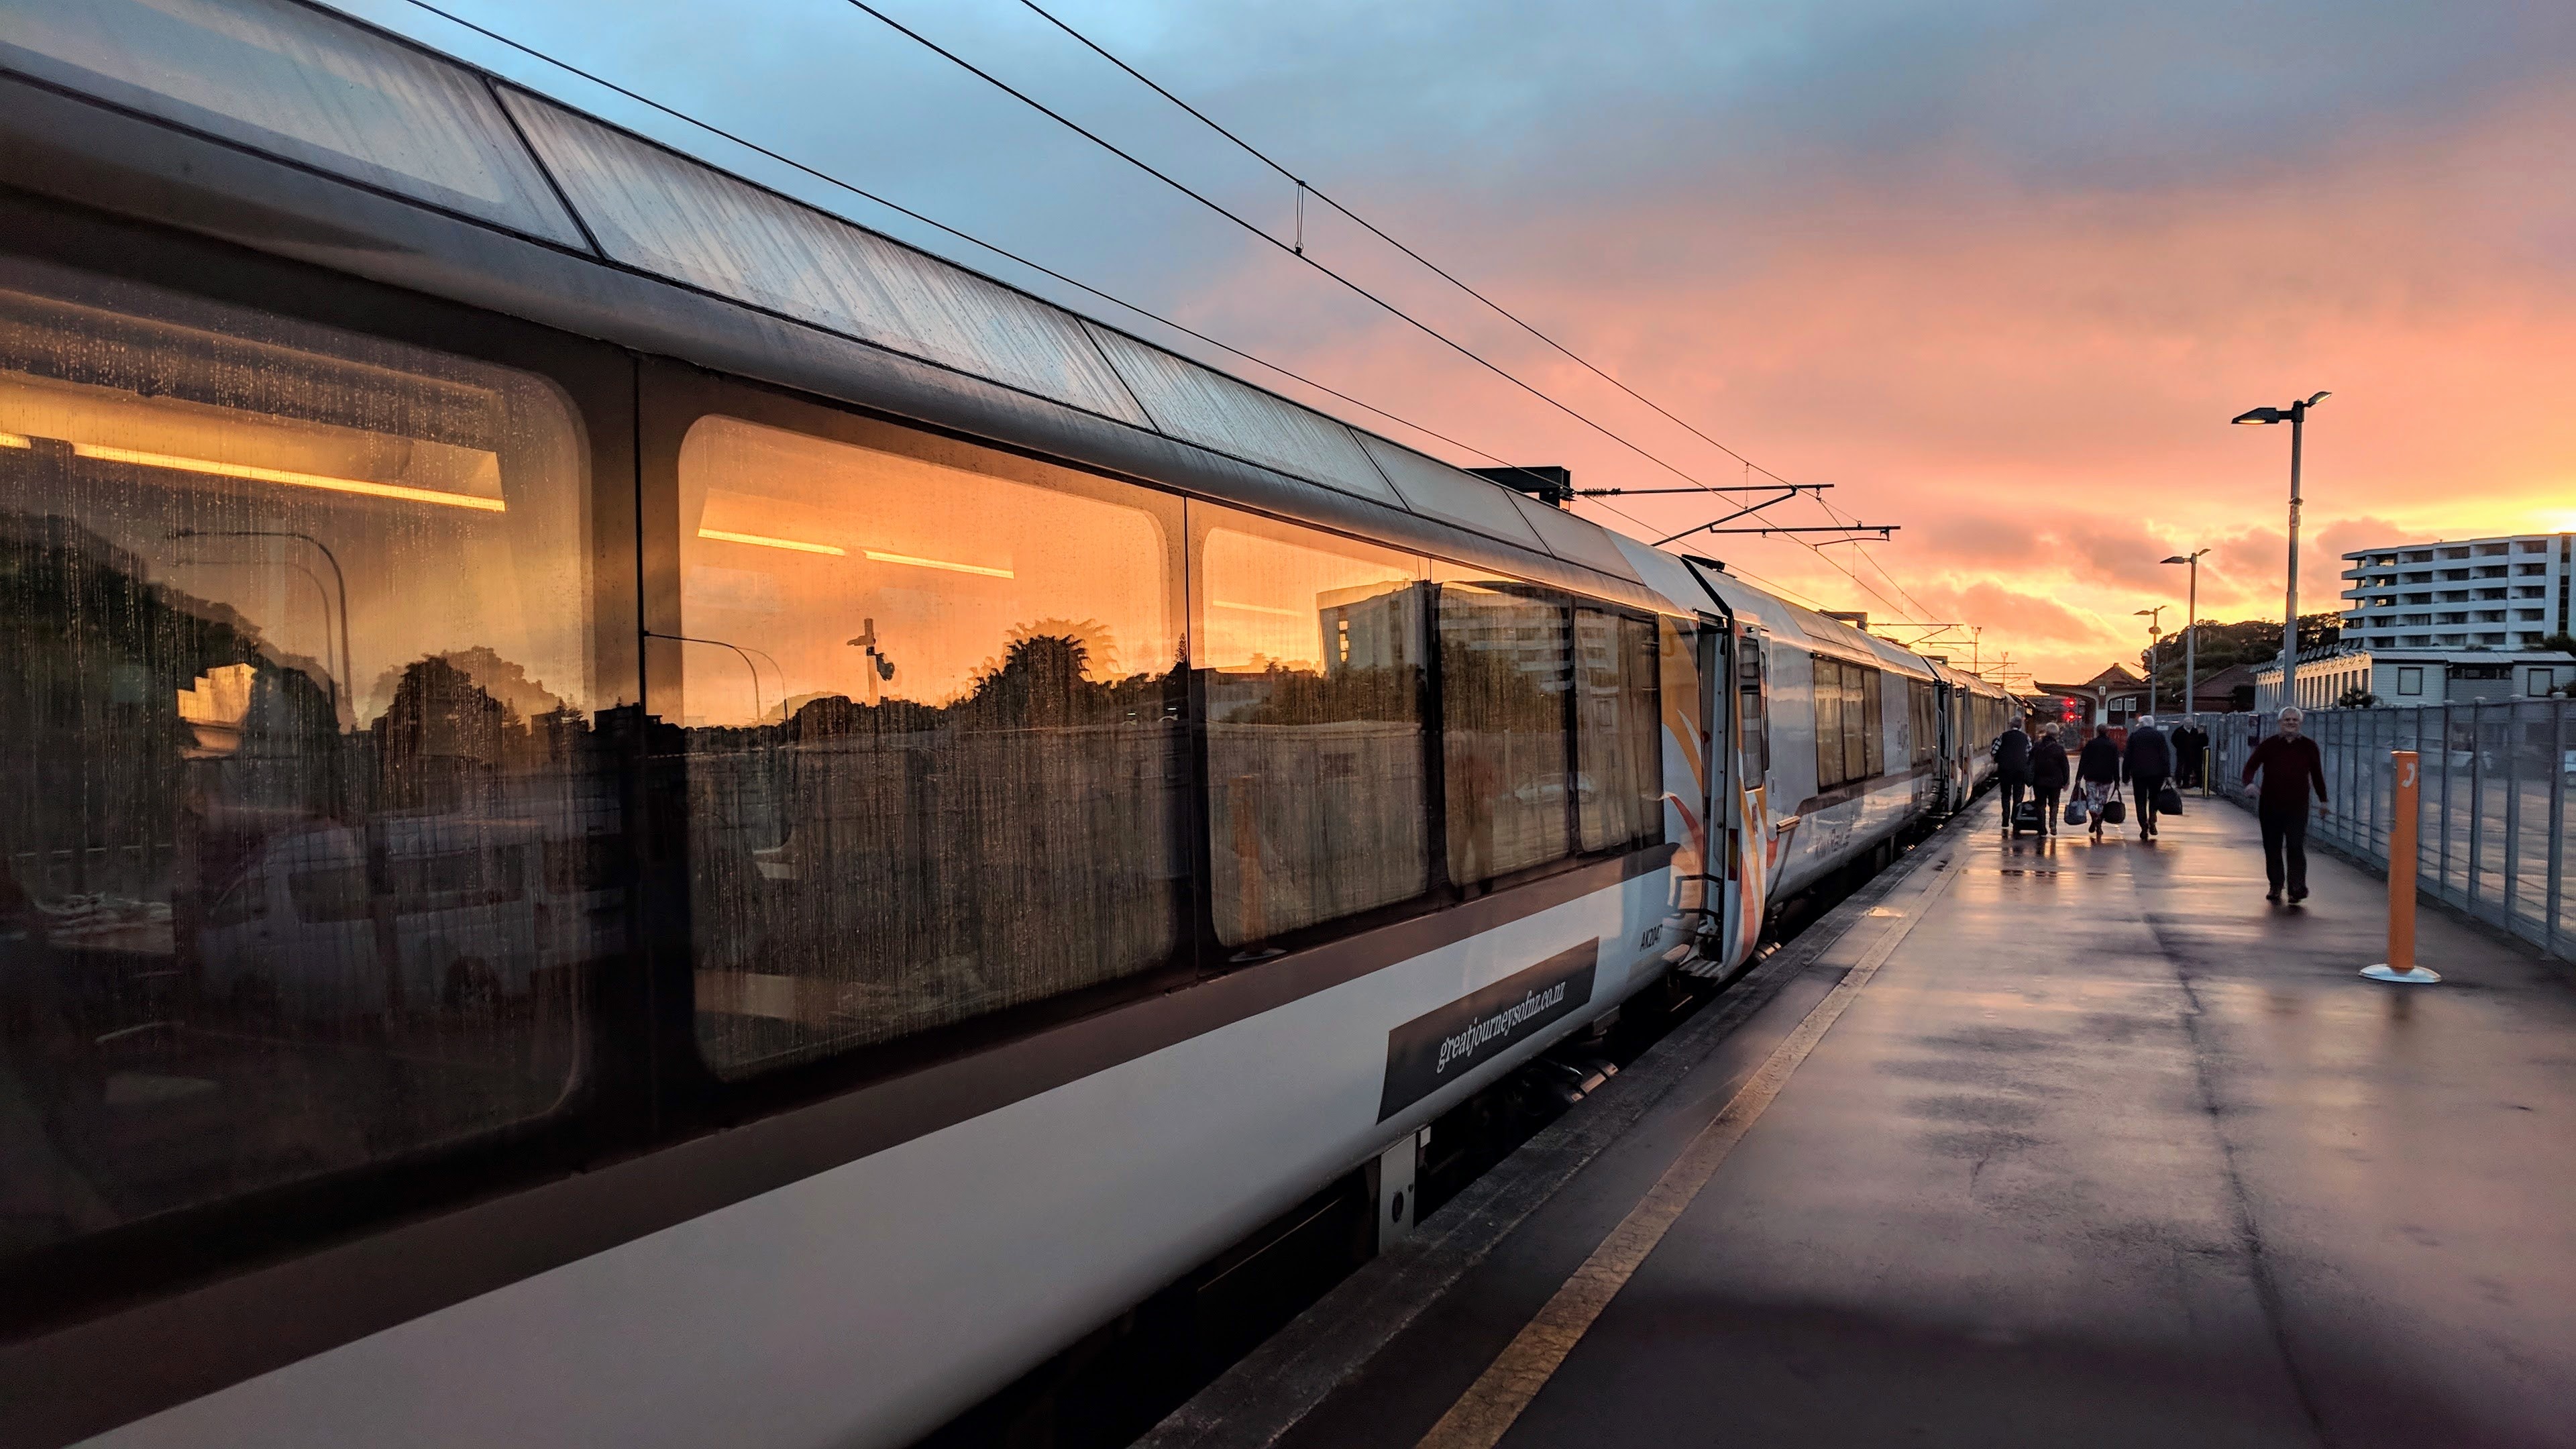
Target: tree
(2357, 697)
(2251, 641)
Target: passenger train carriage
(637, 816)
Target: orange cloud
(2037, 386)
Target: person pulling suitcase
(2097, 772)
(2149, 764)
(2049, 772)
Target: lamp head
(2178, 558)
(2261, 415)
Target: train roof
(461, 184)
(227, 116)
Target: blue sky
(1999, 271)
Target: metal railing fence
(2496, 803)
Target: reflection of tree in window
(998, 821)
(213, 991)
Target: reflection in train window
(1505, 671)
(1828, 694)
(1855, 725)
(1873, 720)
(293, 619)
(1921, 712)
(1851, 742)
(1619, 779)
(935, 758)
(1309, 649)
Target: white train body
(676, 1248)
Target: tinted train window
(1309, 650)
(296, 669)
(933, 738)
(1873, 721)
(1829, 722)
(1619, 776)
(1855, 725)
(1505, 672)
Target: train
(881, 820)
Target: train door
(1710, 773)
(1747, 852)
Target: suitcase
(2114, 810)
(2168, 800)
(2027, 818)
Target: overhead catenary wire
(968, 237)
(836, 182)
(1305, 187)
(1392, 310)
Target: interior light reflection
(938, 563)
(759, 540)
(762, 540)
(1262, 609)
(280, 475)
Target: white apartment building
(2482, 594)
(2418, 676)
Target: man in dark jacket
(2098, 768)
(2012, 768)
(2191, 751)
(2048, 775)
(2291, 766)
(2149, 764)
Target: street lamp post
(2296, 415)
(2155, 634)
(2191, 636)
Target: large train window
(1850, 743)
(1920, 716)
(1505, 674)
(299, 710)
(1309, 651)
(1619, 757)
(932, 735)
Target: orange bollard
(2400, 965)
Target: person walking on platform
(2012, 768)
(2290, 766)
(2191, 754)
(2149, 764)
(2048, 775)
(2097, 773)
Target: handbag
(2075, 811)
(2114, 810)
(2168, 800)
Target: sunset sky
(1999, 272)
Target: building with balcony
(2481, 594)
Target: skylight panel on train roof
(1436, 490)
(1573, 539)
(660, 212)
(1208, 408)
(299, 84)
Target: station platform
(2030, 1142)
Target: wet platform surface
(2107, 1150)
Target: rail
(2498, 796)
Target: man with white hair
(2290, 766)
